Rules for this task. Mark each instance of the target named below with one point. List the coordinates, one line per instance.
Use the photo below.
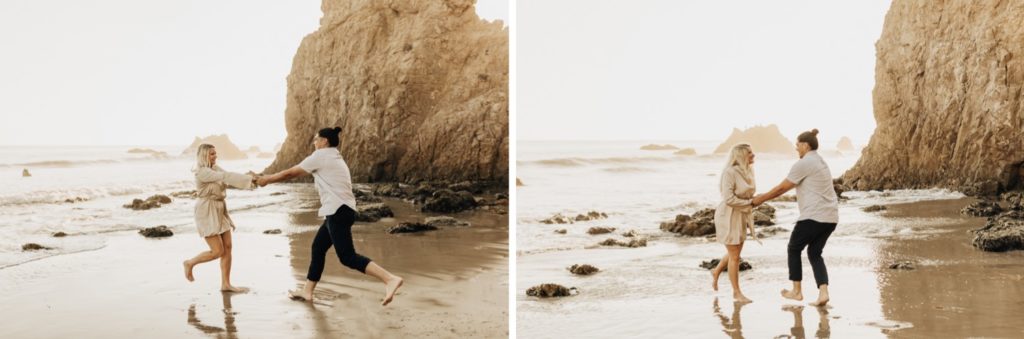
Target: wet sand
(658, 291)
(456, 283)
(956, 290)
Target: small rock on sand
(561, 231)
(151, 202)
(902, 265)
(550, 290)
(557, 219)
(592, 215)
(276, 194)
(744, 265)
(60, 235)
(445, 222)
(373, 212)
(583, 269)
(273, 231)
(33, 247)
(600, 230)
(630, 234)
(633, 243)
(410, 227)
(519, 182)
(25, 173)
(874, 208)
(156, 232)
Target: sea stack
(226, 150)
(845, 145)
(762, 139)
(947, 103)
(419, 89)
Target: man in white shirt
(819, 214)
(338, 205)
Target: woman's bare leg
(717, 271)
(734, 272)
(216, 250)
(225, 266)
(392, 282)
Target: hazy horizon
(667, 70)
(129, 73)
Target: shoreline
(659, 290)
(456, 283)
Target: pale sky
(693, 70)
(129, 72)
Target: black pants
(813, 235)
(336, 231)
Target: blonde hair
(203, 157)
(738, 158)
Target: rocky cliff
(947, 98)
(419, 88)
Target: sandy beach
(955, 290)
(456, 282)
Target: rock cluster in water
(410, 227)
(151, 202)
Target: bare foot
(714, 279)
(188, 271)
(741, 299)
(792, 295)
(822, 300)
(234, 289)
(389, 292)
(300, 295)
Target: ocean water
(101, 179)
(639, 189)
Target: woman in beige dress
(212, 220)
(733, 217)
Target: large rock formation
(419, 88)
(845, 145)
(764, 139)
(947, 98)
(226, 150)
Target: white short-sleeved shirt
(815, 194)
(332, 178)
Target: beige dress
(211, 211)
(734, 213)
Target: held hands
(758, 200)
(262, 180)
